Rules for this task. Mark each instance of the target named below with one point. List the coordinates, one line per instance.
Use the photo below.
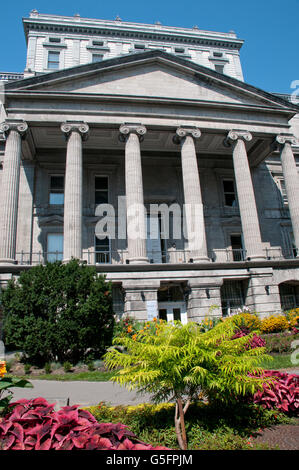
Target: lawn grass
(279, 361)
(94, 376)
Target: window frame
(50, 62)
(101, 190)
(224, 193)
(53, 252)
(53, 175)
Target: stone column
(291, 179)
(194, 212)
(14, 131)
(72, 241)
(136, 214)
(248, 211)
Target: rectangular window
(55, 40)
(237, 247)
(217, 54)
(97, 57)
(139, 46)
(54, 247)
(56, 194)
(102, 251)
(179, 50)
(53, 60)
(229, 193)
(101, 190)
(97, 43)
(219, 68)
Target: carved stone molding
(235, 135)
(282, 139)
(183, 132)
(14, 125)
(126, 129)
(81, 127)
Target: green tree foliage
(58, 312)
(179, 362)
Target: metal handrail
(94, 257)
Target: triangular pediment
(153, 74)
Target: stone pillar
(204, 298)
(14, 131)
(72, 241)
(194, 212)
(262, 293)
(291, 179)
(141, 298)
(248, 211)
(131, 134)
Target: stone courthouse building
(124, 113)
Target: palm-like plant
(177, 362)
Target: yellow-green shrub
(274, 324)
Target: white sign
(152, 309)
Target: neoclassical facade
(161, 130)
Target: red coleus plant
(282, 393)
(34, 425)
(255, 342)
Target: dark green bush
(58, 312)
(67, 366)
(27, 368)
(209, 427)
(91, 366)
(48, 368)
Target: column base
(255, 258)
(138, 260)
(200, 259)
(8, 261)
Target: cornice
(123, 31)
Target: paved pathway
(86, 393)
(79, 393)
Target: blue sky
(270, 55)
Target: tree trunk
(179, 421)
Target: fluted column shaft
(246, 197)
(291, 179)
(194, 212)
(136, 214)
(72, 241)
(10, 189)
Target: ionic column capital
(283, 139)
(183, 132)
(80, 127)
(14, 125)
(234, 135)
(127, 129)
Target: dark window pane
(57, 182)
(102, 245)
(163, 314)
(230, 200)
(177, 314)
(236, 241)
(101, 182)
(101, 197)
(228, 186)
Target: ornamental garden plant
(178, 362)
(58, 312)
